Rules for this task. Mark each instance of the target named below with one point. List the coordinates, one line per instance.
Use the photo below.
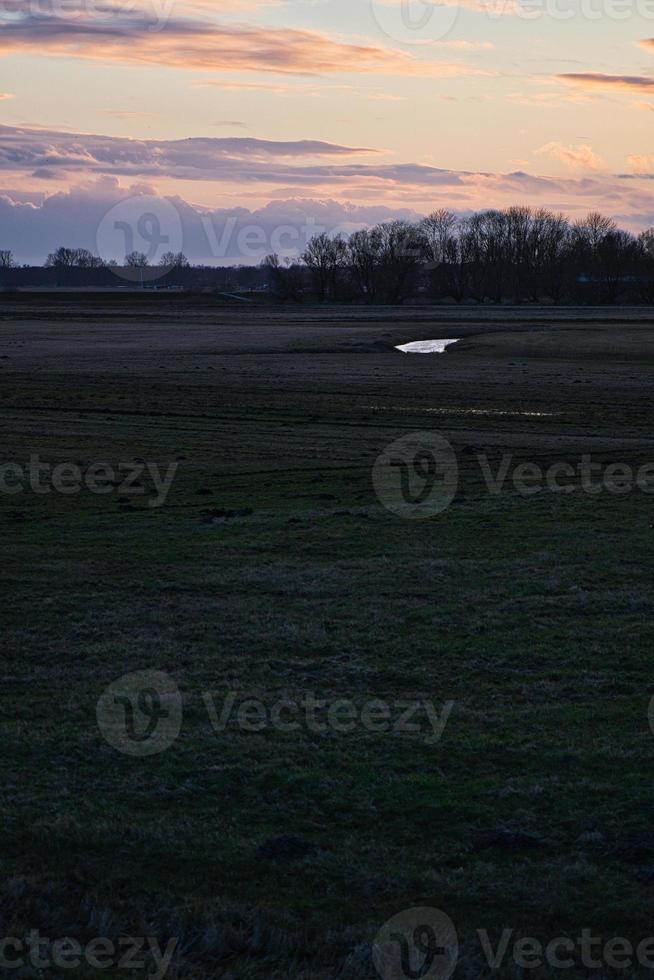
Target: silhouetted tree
(86, 260)
(400, 250)
(549, 242)
(592, 229)
(438, 233)
(174, 260)
(644, 264)
(136, 260)
(616, 261)
(363, 250)
(516, 254)
(384, 260)
(440, 239)
(588, 253)
(69, 258)
(284, 276)
(325, 257)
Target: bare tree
(400, 250)
(518, 254)
(437, 230)
(325, 256)
(645, 265)
(481, 243)
(586, 256)
(174, 260)
(592, 229)
(136, 260)
(69, 258)
(6, 259)
(285, 277)
(86, 260)
(363, 248)
(616, 255)
(549, 238)
(62, 258)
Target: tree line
(519, 254)
(82, 258)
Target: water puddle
(417, 410)
(426, 346)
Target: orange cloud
(207, 46)
(574, 157)
(640, 163)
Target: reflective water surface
(426, 346)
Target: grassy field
(274, 572)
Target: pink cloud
(135, 37)
(575, 157)
(201, 158)
(589, 79)
(218, 235)
(240, 169)
(640, 163)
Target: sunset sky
(341, 111)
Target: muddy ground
(273, 570)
